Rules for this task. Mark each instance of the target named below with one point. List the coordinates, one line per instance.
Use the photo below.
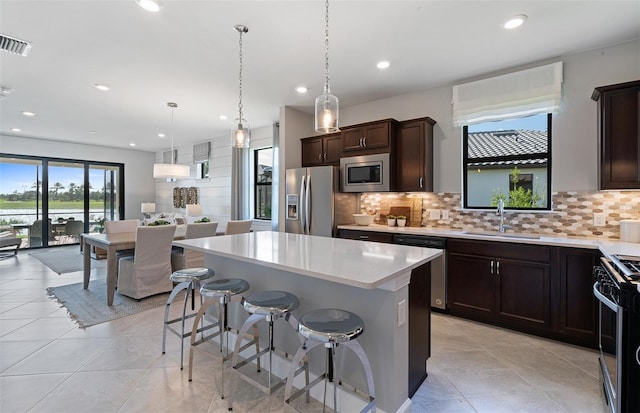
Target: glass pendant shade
(241, 134)
(171, 170)
(327, 113)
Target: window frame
(465, 162)
(257, 184)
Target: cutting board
(409, 207)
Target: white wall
(139, 184)
(574, 130)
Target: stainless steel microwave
(368, 173)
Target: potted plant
(391, 220)
(401, 220)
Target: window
(508, 160)
(263, 163)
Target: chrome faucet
(500, 212)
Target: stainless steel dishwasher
(438, 266)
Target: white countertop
(356, 263)
(606, 246)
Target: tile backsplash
(572, 213)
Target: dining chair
(238, 227)
(73, 229)
(125, 225)
(184, 258)
(35, 233)
(147, 272)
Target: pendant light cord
(172, 106)
(240, 78)
(326, 47)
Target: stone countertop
(356, 263)
(606, 246)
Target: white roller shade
(527, 92)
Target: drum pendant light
(171, 170)
(326, 120)
(241, 133)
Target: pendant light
(171, 170)
(241, 133)
(326, 104)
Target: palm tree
(57, 187)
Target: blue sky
(21, 177)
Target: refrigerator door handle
(301, 206)
(307, 205)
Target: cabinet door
(419, 325)
(376, 136)
(332, 149)
(368, 138)
(471, 286)
(577, 314)
(352, 139)
(312, 152)
(523, 292)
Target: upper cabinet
(619, 135)
(414, 170)
(322, 150)
(369, 138)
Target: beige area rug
(89, 307)
(61, 260)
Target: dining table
(112, 243)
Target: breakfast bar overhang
(367, 278)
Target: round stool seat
(271, 303)
(191, 274)
(224, 287)
(330, 325)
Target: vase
(401, 222)
(391, 222)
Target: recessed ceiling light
(132, 144)
(223, 117)
(149, 5)
(16, 130)
(515, 21)
(301, 89)
(27, 113)
(383, 64)
(92, 132)
(104, 88)
(161, 135)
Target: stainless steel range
(617, 289)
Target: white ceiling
(188, 54)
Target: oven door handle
(604, 300)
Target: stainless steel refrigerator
(313, 203)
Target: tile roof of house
(506, 143)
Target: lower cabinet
(366, 235)
(500, 283)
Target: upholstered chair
(185, 258)
(238, 227)
(147, 272)
(73, 229)
(126, 225)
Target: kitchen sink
(502, 234)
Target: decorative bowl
(363, 219)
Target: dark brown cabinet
(369, 138)
(501, 283)
(619, 135)
(322, 150)
(419, 325)
(576, 315)
(366, 235)
(415, 155)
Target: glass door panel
(66, 201)
(104, 193)
(20, 196)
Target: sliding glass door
(47, 201)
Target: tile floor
(47, 364)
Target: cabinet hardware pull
(364, 237)
(325, 156)
(498, 267)
(491, 266)
(421, 182)
(320, 156)
(364, 141)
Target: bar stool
(222, 292)
(331, 327)
(188, 279)
(269, 306)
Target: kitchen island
(369, 279)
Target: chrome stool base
(188, 279)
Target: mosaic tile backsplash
(572, 213)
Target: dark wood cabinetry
(322, 150)
(419, 325)
(619, 135)
(414, 162)
(500, 283)
(576, 315)
(366, 235)
(369, 138)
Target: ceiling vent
(13, 45)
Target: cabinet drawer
(497, 249)
(365, 235)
